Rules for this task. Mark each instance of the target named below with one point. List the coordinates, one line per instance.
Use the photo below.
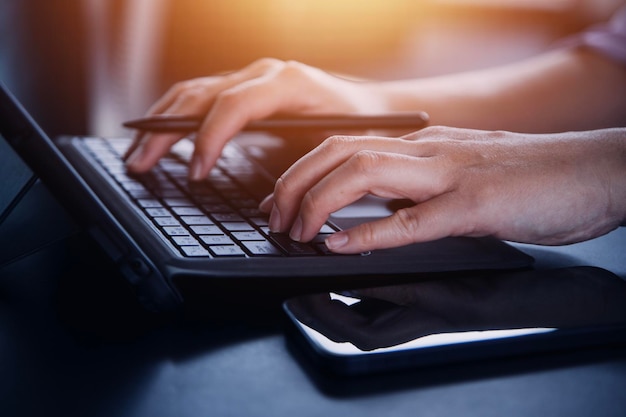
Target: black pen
(177, 123)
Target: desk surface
(94, 355)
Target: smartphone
(456, 319)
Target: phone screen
(463, 318)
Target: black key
(217, 208)
(227, 217)
(291, 246)
(143, 194)
(178, 202)
(260, 221)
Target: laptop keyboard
(217, 217)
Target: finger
(147, 147)
(137, 139)
(367, 172)
(233, 108)
(193, 97)
(150, 150)
(310, 169)
(446, 133)
(165, 105)
(266, 205)
(437, 218)
(206, 88)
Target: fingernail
(195, 168)
(296, 230)
(336, 240)
(274, 220)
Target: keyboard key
(253, 235)
(227, 250)
(207, 230)
(227, 217)
(321, 238)
(235, 194)
(166, 221)
(251, 212)
(245, 203)
(175, 231)
(195, 251)
(324, 249)
(196, 220)
(158, 212)
(208, 199)
(178, 202)
(187, 211)
(291, 246)
(237, 226)
(218, 207)
(169, 193)
(263, 248)
(185, 240)
(216, 240)
(149, 202)
(140, 194)
(260, 221)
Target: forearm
(559, 91)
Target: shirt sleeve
(607, 39)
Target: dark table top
(74, 343)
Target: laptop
(177, 241)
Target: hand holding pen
(250, 99)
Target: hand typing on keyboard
(264, 88)
(546, 189)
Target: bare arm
(564, 90)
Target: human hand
(545, 189)
(230, 101)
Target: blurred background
(83, 66)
